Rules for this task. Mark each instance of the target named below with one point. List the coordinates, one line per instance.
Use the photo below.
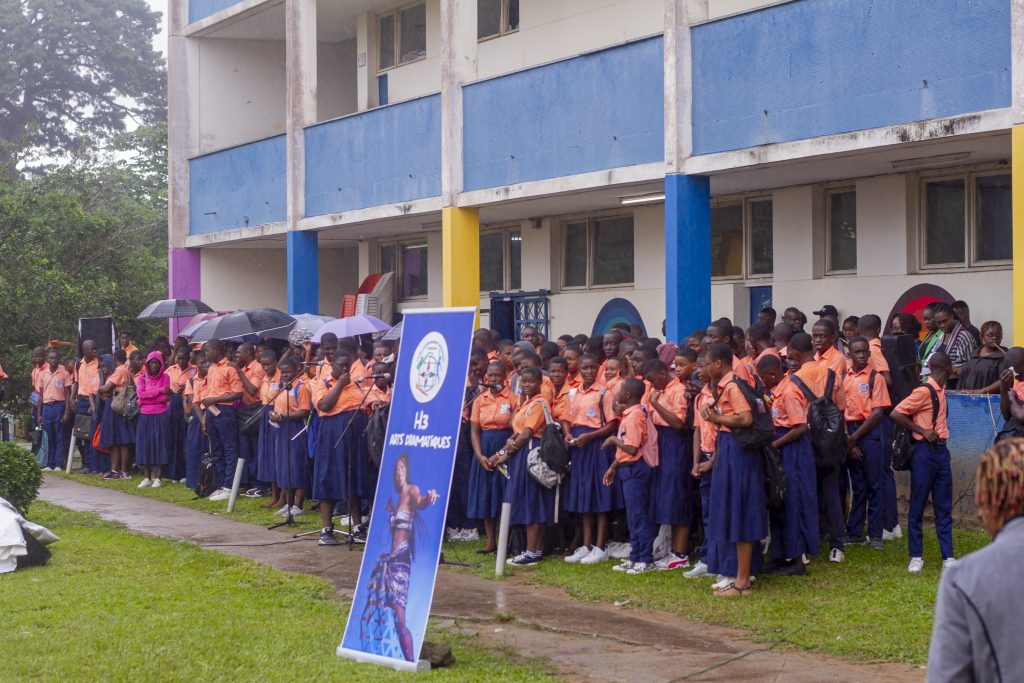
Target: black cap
(827, 310)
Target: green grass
(114, 605)
(868, 608)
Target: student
(528, 359)
(116, 433)
(671, 483)
(153, 431)
(695, 342)
(610, 343)
(720, 332)
(705, 434)
(636, 361)
(287, 419)
(86, 392)
(954, 340)
(482, 340)
(196, 440)
(931, 340)
(737, 488)
(529, 334)
(759, 342)
(328, 347)
(266, 448)
(572, 358)
(781, 334)
(849, 329)
(823, 336)
(342, 472)
(490, 429)
(505, 348)
(547, 351)
(124, 342)
(532, 504)
(223, 389)
(54, 384)
(1011, 386)
(558, 371)
(250, 375)
(586, 425)
(38, 363)
(459, 526)
(178, 374)
(867, 401)
(635, 474)
(378, 394)
(870, 327)
(795, 318)
(930, 472)
(963, 314)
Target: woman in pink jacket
(153, 431)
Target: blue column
(687, 254)
(303, 272)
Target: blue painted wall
(227, 186)
(819, 67)
(386, 155)
(589, 113)
(303, 272)
(687, 254)
(200, 9)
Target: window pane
(761, 237)
(944, 221)
(613, 251)
(414, 270)
(727, 241)
(513, 16)
(414, 34)
(387, 258)
(488, 18)
(842, 231)
(492, 262)
(386, 42)
(575, 256)
(515, 260)
(993, 229)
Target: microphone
(382, 375)
(496, 387)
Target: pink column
(183, 279)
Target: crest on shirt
(863, 388)
(429, 367)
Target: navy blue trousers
(223, 432)
(705, 507)
(866, 480)
(890, 513)
(85, 446)
(56, 434)
(931, 475)
(636, 485)
(831, 506)
(795, 527)
(248, 448)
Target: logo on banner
(429, 366)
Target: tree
(75, 68)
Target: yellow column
(460, 246)
(1017, 169)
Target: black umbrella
(242, 323)
(174, 308)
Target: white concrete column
(300, 106)
(794, 252)
(458, 66)
(884, 226)
(366, 61)
(1017, 59)
(364, 261)
(182, 119)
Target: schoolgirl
(287, 420)
(490, 429)
(153, 431)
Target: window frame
(748, 244)
(506, 254)
(970, 262)
(398, 244)
(502, 24)
(827, 224)
(396, 14)
(590, 219)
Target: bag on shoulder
(83, 427)
(761, 431)
(826, 424)
(774, 478)
(903, 439)
(1013, 429)
(550, 460)
(376, 433)
(649, 446)
(207, 474)
(249, 417)
(126, 401)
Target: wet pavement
(584, 641)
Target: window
(408, 261)
(501, 260)
(742, 236)
(967, 220)
(496, 18)
(727, 241)
(402, 36)
(841, 233)
(597, 252)
(760, 211)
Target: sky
(160, 41)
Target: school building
(682, 159)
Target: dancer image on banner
(389, 585)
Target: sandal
(733, 591)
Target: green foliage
(20, 476)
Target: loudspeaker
(100, 330)
(900, 352)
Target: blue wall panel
(200, 9)
(589, 113)
(227, 186)
(819, 67)
(386, 155)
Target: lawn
(115, 605)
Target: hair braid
(1000, 480)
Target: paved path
(585, 641)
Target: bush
(20, 476)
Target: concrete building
(689, 157)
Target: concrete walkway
(585, 641)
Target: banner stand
(420, 666)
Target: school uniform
(708, 438)
(834, 360)
(458, 492)
(33, 398)
(866, 391)
(221, 421)
(291, 455)
(890, 511)
(493, 414)
(345, 470)
(531, 502)
(560, 404)
(87, 403)
(53, 387)
(196, 443)
(266, 459)
(114, 429)
(672, 481)
(611, 390)
(636, 484)
(178, 378)
(374, 395)
(248, 443)
(931, 474)
(742, 369)
(795, 529)
(584, 490)
(153, 430)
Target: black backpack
(903, 438)
(774, 478)
(826, 424)
(761, 431)
(552, 446)
(376, 432)
(207, 474)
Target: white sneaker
(640, 568)
(700, 569)
(948, 562)
(623, 566)
(722, 582)
(157, 483)
(144, 483)
(283, 512)
(578, 554)
(469, 535)
(620, 551)
(672, 561)
(296, 511)
(836, 555)
(596, 556)
(916, 565)
(220, 494)
(806, 560)
(897, 532)
(182, 480)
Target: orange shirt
(584, 407)
(119, 377)
(815, 376)
(196, 389)
(861, 399)
(632, 431)
(323, 370)
(222, 380)
(349, 398)
(918, 407)
(269, 387)
(708, 430)
(575, 381)
(357, 370)
(877, 359)
(674, 399)
(1018, 390)
(88, 378)
(254, 373)
(494, 411)
(3, 375)
(560, 405)
(789, 405)
(834, 360)
(731, 400)
(130, 349)
(741, 370)
(295, 399)
(375, 394)
(35, 377)
(611, 391)
(53, 386)
(770, 351)
(179, 378)
(530, 416)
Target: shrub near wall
(20, 476)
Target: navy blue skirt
(177, 464)
(265, 460)
(584, 490)
(487, 489)
(196, 445)
(114, 429)
(531, 502)
(672, 481)
(346, 470)
(795, 527)
(153, 439)
(291, 461)
(737, 505)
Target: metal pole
(239, 466)
(71, 453)
(499, 562)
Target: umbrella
(395, 333)
(305, 325)
(352, 327)
(174, 308)
(194, 324)
(241, 323)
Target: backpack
(774, 478)
(649, 446)
(207, 474)
(903, 439)
(826, 424)
(550, 460)
(376, 432)
(1013, 429)
(126, 401)
(761, 431)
